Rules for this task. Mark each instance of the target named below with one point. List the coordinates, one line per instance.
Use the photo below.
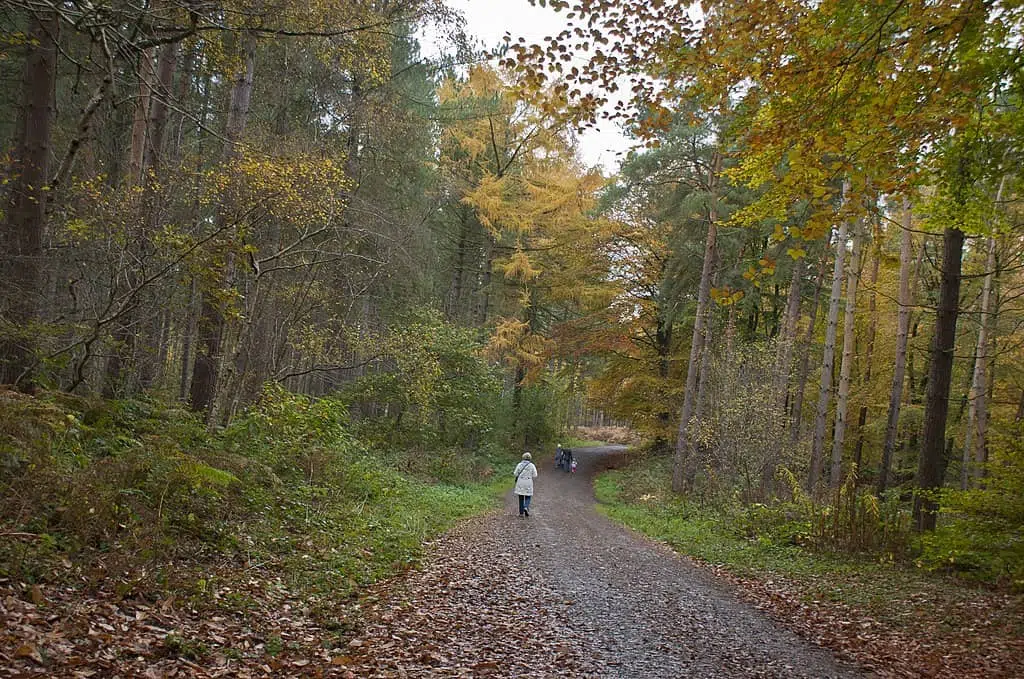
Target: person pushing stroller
(564, 459)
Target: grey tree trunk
(797, 420)
(211, 319)
(902, 331)
(977, 410)
(869, 353)
(140, 123)
(846, 368)
(784, 351)
(828, 355)
(684, 468)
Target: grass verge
(867, 607)
(137, 499)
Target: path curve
(569, 593)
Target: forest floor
(565, 592)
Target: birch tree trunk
(902, 331)
(681, 472)
(845, 370)
(828, 356)
(976, 413)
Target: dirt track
(566, 592)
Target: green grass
(894, 592)
(167, 506)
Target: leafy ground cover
(888, 615)
(131, 535)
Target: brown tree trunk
(663, 340)
(160, 97)
(140, 123)
(22, 239)
(931, 459)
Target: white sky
(489, 20)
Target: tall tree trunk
(211, 318)
(455, 310)
(704, 375)
(22, 239)
(663, 339)
(140, 123)
(976, 414)
(681, 472)
(796, 423)
(902, 331)
(150, 364)
(828, 355)
(159, 105)
(931, 459)
(784, 351)
(846, 368)
(869, 353)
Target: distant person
(525, 472)
(558, 456)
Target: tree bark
(160, 96)
(902, 331)
(796, 424)
(140, 123)
(931, 459)
(22, 240)
(976, 413)
(828, 355)
(211, 318)
(683, 467)
(784, 350)
(869, 353)
(846, 368)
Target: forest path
(569, 593)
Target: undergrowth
(978, 539)
(137, 496)
(791, 541)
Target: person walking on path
(525, 472)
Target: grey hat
(527, 456)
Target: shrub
(981, 531)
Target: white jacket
(527, 472)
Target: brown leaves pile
(461, 616)
(936, 636)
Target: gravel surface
(568, 593)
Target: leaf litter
(565, 593)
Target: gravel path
(568, 593)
